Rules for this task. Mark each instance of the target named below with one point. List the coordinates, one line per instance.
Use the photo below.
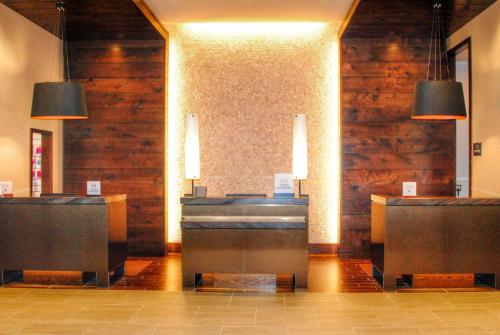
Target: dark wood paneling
(383, 55)
(123, 141)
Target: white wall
(484, 31)
(28, 54)
(463, 147)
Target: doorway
(461, 62)
(41, 162)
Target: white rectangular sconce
(192, 147)
(299, 152)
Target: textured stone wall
(246, 85)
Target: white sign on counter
(283, 183)
(5, 187)
(93, 188)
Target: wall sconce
(192, 150)
(299, 151)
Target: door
(41, 162)
(461, 63)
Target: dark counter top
(246, 201)
(57, 200)
(390, 200)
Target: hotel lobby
(249, 167)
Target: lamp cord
(430, 45)
(439, 38)
(445, 51)
(60, 7)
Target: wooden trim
(314, 248)
(452, 54)
(348, 17)
(148, 13)
(323, 248)
(174, 248)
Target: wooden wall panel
(123, 141)
(381, 145)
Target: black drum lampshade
(435, 98)
(59, 101)
(439, 100)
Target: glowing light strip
(281, 29)
(175, 128)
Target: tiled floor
(337, 303)
(84, 311)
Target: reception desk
(434, 235)
(244, 236)
(87, 234)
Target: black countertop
(390, 200)
(246, 201)
(58, 200)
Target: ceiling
(178, 11)
(121, 19)
(410, 18)
(89, 19)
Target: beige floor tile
(312, 299)
(466, 317)
(171, 315)
(116, 329)
(97, 296)
(106, 314)
(225, 316)
(419, 300)
(10, 309)
(346, 319)
(493, 308)
(471, 298)
(191, 330)
(48, 312)
(493, 329)
(254, 331)
(320, 331)
(303, 317)
(257, 300)
(47, 296)
(476, 330)
(56, 328)
(204, 299)
(387, 331)
(12, 326)
(150, 298)
(9, 295)
(403, 318)
(366, 300)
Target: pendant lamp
(59, 100)
(436, 98)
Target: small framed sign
(283, 184)
(409, 189)
(94, 188)
(5, 188)
(200, 192)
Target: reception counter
(87, 234)
(435, 235)
(244, 236)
